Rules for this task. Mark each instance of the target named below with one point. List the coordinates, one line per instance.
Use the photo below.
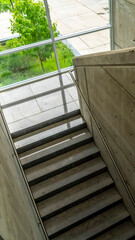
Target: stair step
(59, 116)
(61, 163)
(68, 179)
(97, 225)
(71, 125)
(74, 195)
(82, 212)
(123, 231)
(57, 148)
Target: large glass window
(25, 24)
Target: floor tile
(45, 85)
(42, 116)
(73, 93)
(94, 40)
(21, 111)
(49, 84)
(70, 10)
(78, 44)
(16, 94)
(102, 48)
(54, 100)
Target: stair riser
(62, 169)
(57, 153)
(45, 124)
(85, 219)
(70, 185)
(77, 202)
(109, 228)
(51, 138)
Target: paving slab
(21, 111)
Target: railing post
(112, 25)
(52, 35)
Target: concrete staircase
(74, 192)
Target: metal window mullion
(57, 39)
(25, 47)
(111, 23)
(52, 34)
(34, 79)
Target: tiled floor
(27, 113)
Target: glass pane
(65, 53)
(25, 19)
(86, 44)
(72, 16)
(26, 64)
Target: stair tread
(69, 177)
(82, 211)
(43, 119)
(74, 195)
(123, 231)
(37, 138)
(97, 225)
(64, 161)
(54, 147)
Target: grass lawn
(27, 64)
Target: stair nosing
(45, 140)
(46, 123)
(119, 220)
(61, 150)
(78, 162)
(70, 184)
(91, 215)
(68, 205)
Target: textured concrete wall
(124, 23)
(17, 218)
(108, 86)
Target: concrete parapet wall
(124, 23)
(17, 218)
(107, 83)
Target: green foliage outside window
(30, 21)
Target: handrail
(104, 141)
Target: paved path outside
(77, 15)
(73, 16)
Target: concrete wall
(107, 83)
(17, 218)
(124, 23)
